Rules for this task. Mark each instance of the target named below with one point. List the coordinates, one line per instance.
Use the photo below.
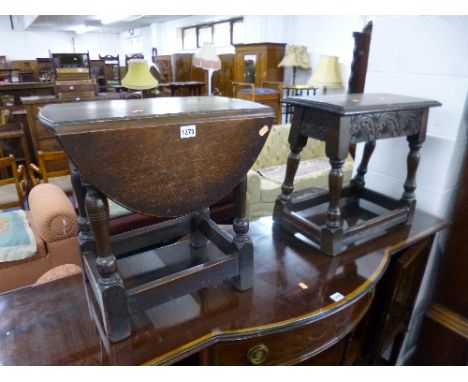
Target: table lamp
(296, 56)
(138, 76)
(207, 59)
(327, 73)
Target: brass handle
(258, 354)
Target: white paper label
(337, 296)
(189, 131)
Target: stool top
(349, 104)
(162, 156)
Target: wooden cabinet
(444, 332)
(222, 79)
(288, 317)
(395, 299)
(185, 71)
(257, 63)
(165, 67)
(294, 345)
(99, 74)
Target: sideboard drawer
(293, 345)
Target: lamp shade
(206, 58)
(327, 73)
(138, 76)
(296, 55)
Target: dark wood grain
(165, 175)
(50, 324)
(268, 56)
(340, 120)
(444, 333)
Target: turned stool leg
(335, 185)
(242, 240)
(297, 143)
(358, 182)
(114, 302)
(412, 165)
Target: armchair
(52, 221)
(267, 173)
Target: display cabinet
(257, 63)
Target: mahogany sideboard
(304, 308)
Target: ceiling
(94, 23)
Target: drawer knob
(258, 354)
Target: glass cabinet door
(250, 62)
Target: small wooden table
(194, 87)
(293, 314)
(341, 120)
(164, 157)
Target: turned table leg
(242, 240)
(113, 301)
(85, 235)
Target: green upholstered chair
(267, 173)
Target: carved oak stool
(337, 218)
(166, 157)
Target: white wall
(324, 35)
(18, 44)
(422, 56)
(98, 44)
(328, 35)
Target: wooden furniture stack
(175, 173)
(73, 76)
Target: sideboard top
(90, 116)
(349, 104)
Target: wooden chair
(269, 94)
(9, 131)
(13, 186)
(53, 168)
(113, 72)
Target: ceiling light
(79, 29)
(113, 19)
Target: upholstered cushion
(116, 210)
(306, 169)
(271, 188)
(258, 90)
(276, 149)
(52, 212)
(58, 272)
(64, 182)
(17, 240)
(8, 194)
